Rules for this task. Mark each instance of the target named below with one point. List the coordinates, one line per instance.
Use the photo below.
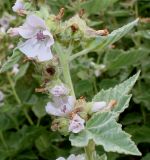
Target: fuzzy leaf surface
(118, 93)
(104, 41)
(105, 131)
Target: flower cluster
(63, 105)
(69, 114)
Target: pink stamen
(40, 36)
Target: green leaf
(29, 155)
(118, 93)
(94, 6)
(127, 58)
(39, 104)
(102, 157)
(131, 118)
(6, 122)
(102, 42)
(119, 13)
(139, 133)
(16, 56)
(43, 142)
(82, 87)
(105, 131)
(147, 157)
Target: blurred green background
(24, 126)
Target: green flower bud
(61, 125)
(53, 24)
(88, 107)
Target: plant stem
(83, 52)
(28, 117)
(67, 76)
(18, 99)
(3, 140)
(13, 89)
(64, 61)
(90, 151)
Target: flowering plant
(52, 45)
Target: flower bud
(19, 7)
(15, 69)
(61, 125)
(97, 106)
(76, 124)
(59, 90)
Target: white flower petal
(29, 48)
(70, 103)
(34, 49)
(52, 109)
(50, 40)
(66, 104)
(71, 157)
(97, 106)
(36, 22)
(27, 31)
(60, 158)
(44, 53)
(78, 157)
(31, 27)
(60, 107)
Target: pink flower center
(64, 109)
(40, 36)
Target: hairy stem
(64, 61)
(81, 53)
(13, 89)
(90, 151)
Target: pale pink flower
(59, 90)
(76, 124)
(60, 106)
(73, 157)
(38, 39)
(97, 106)
(19, 7)
(5, 21)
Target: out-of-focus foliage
(24, 126)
